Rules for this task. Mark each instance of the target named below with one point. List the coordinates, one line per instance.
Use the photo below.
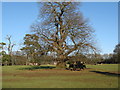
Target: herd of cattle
(77, 65)
(73, 66)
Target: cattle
(75, 66)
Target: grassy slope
(55, 78)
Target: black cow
(75, 66)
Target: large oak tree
(62, 26)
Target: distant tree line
(112, 58)
(32, 53)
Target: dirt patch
(7, 74)
(48, 73)
(52, 73)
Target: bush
(6, 59)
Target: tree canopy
(63, 28)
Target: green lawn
(95, 76)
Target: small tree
(2, 44)
(116, 55)
(32, 47)
(6, 59)
(10, 47)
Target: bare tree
(63, 28)
(10, 47)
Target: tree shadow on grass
(107, 73)
(37, 67)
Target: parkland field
(94, 76)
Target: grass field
(95, 76)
